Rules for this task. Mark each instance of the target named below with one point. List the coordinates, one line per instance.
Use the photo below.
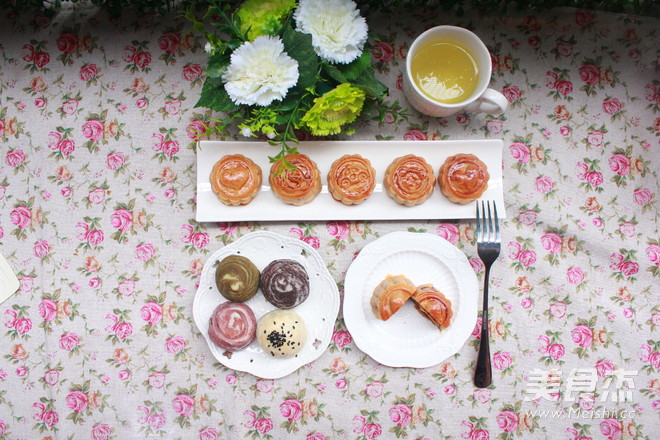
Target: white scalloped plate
(8, 282)
(408, 339)
(319, 311)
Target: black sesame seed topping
(276, 339)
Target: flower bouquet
(278, 68)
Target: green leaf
(324, 88)
(355, 68)
(372, 86)
(292, 118)
(234, 44)
(289, 102)
(217, 65)
(334, 73)
(299, 47)
(215, 97)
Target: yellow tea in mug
(445, 71)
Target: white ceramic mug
(483, 99)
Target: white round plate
(408, 339)
(319, 310)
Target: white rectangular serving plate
(267, 207)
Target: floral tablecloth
(97, 202)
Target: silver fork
(488, 248)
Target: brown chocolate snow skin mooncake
(284, 283)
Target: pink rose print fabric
(97, 218)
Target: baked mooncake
(237, 278)
(232, 326)
(281, 333)
(284, 283)
(433, 304)
(235, 179)
(390, 295)
(351, 179)
(409, 180)
(463, 178)
(297, 186)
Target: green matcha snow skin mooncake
(237, 278)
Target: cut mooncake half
(433, 305)
(390, 295)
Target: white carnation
(260, 72)
(338, 31)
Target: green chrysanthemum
(263, 17)
(338, 107)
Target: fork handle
(483, 374)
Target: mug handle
(491, 101)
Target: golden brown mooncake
(351, 179)
(235, 179)
(298, 186)
(409, 180)
(390, 295)
(433, 305)
(463, 178)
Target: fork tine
(478, 223)
(491, 231)
(484, 220)
(497, 223)
(484, 223)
